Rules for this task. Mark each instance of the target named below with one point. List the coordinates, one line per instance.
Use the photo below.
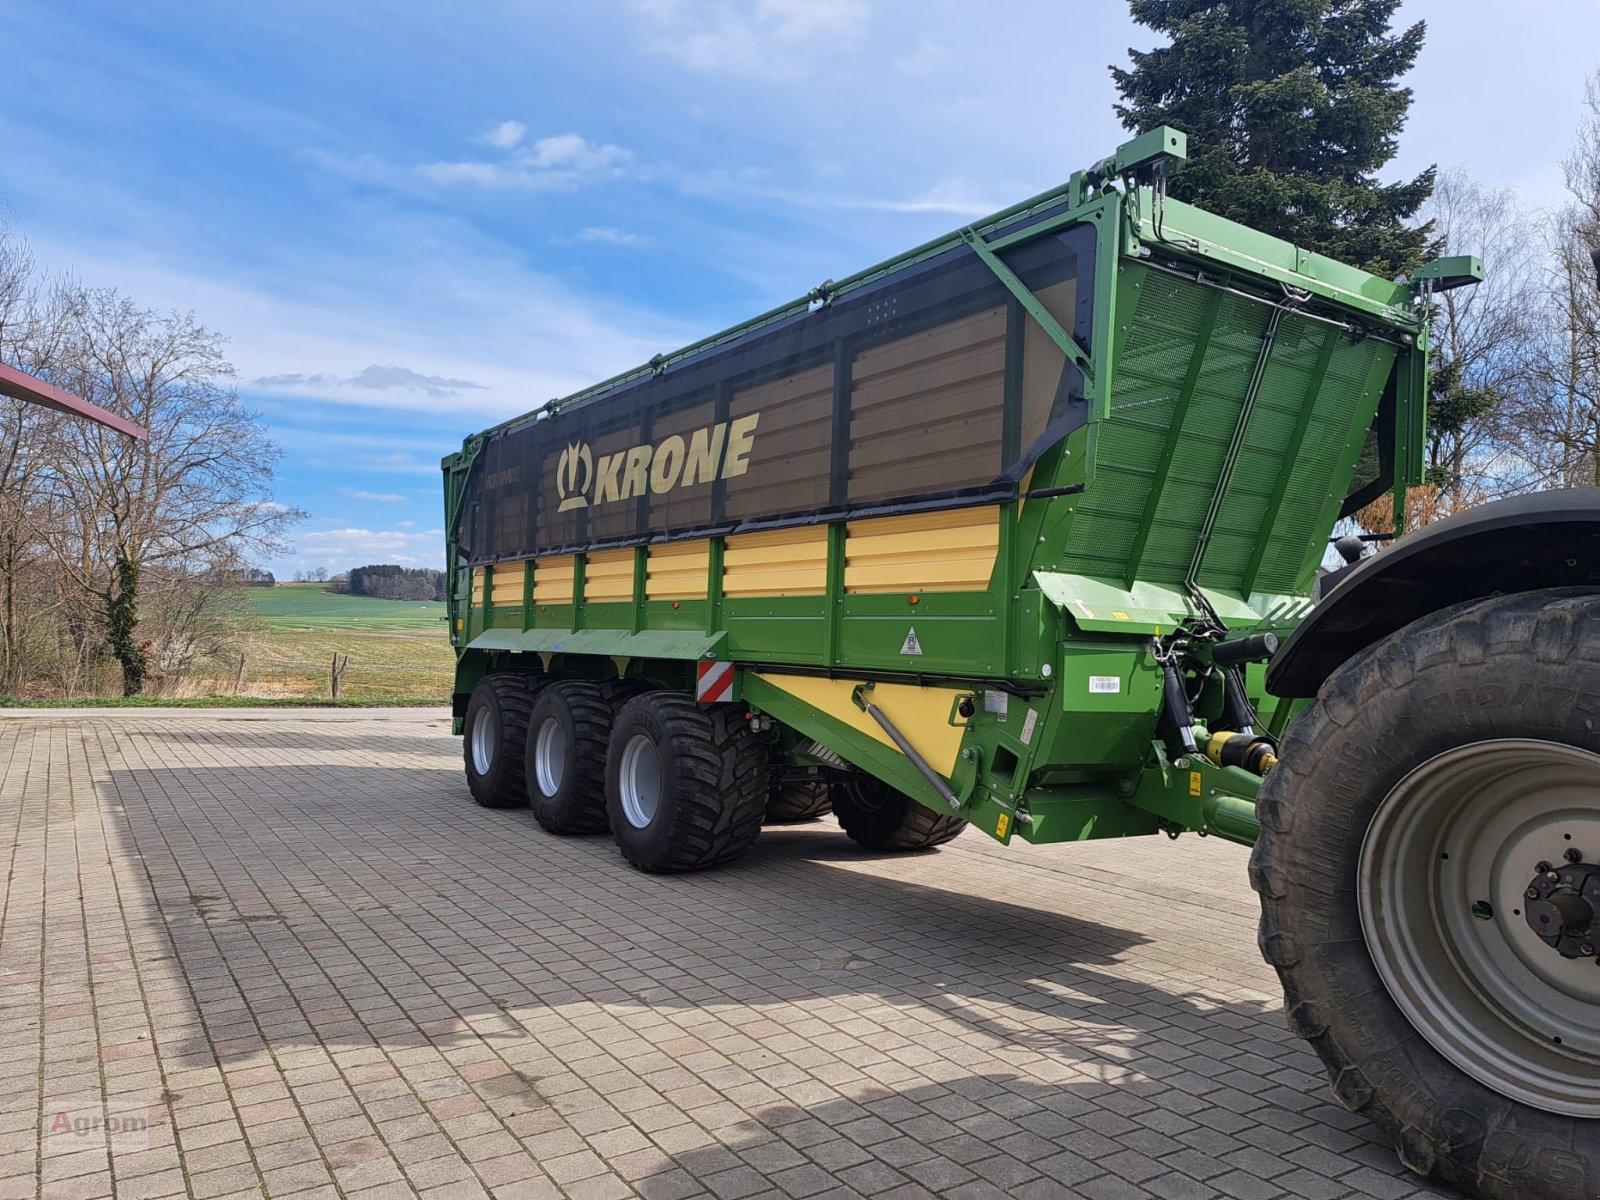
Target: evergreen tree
(1292, 108)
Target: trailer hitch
(935, 780)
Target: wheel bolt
(1574, 855)
(1532, 893)
(1586, 950)
(1541, 867)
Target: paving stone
(297, 942)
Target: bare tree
(1560, 421)
(33, 320)
(1481, 339)
(189, 500)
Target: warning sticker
(997, 702)
(911, 645)
(1105, 683)
(1028, 724)
(1003, 824)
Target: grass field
(308, 606)
(399, 649)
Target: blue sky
(413, 220)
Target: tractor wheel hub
(1563, 908)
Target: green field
(399, 649)
(308, 606)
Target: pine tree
(1292, 107)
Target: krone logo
(720, 451)
(574, 473)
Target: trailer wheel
(791, 803)
(686, 783)
(495, 729)
(568, 731)
(878, 817)
(1429, 871)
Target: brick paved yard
(286, 954)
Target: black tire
(712, 789)
(568, 731)
(878, 817)
(494, 763)
(798, 800)
(1513, 667)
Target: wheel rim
(639, 781)
(485, 733)
(1444, 887)
(550, 756)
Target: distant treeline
(389, 582)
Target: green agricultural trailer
(1024, 530)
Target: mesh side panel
(1202, 448)
(1139, 436)
(1345, 405)
(1155, 360)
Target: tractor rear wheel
(1429, 872)
(686, 783)
(877, 817)
(568, 731)
(495, 728)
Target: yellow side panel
(608, 576)
(950, 551)
(479, 576)
(779, 562)
(552, 579)
(678, 571)
(509, 584)
(921, 713)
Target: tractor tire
(877, 817)
(1441, 784)
(494, 731)
(686, 783)
(568, 731)
(792, 803)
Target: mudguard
(1522, 544)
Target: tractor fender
(1521, 544)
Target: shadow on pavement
(323, 904)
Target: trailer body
(998, 472)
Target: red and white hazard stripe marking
(713, 681)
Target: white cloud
(341, 549)
(953, 197)
(461, 311)
(568, 151)
(379, 497)
(559, 163)
(771, 39)
(924, 59)
(505, 135)
(373, 378)
(609, 235)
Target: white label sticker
(997, 703)
(1028, 724)
(1105, 683)
(911, 645)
